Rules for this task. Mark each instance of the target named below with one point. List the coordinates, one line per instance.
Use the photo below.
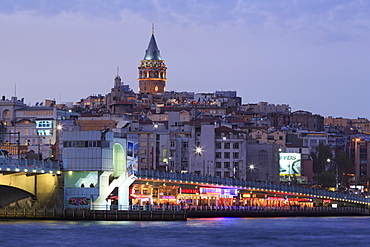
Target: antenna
(15, 89)
(117, 70)
(152, 28)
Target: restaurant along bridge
(192, 191)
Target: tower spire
(152, 70)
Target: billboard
(290, 164)
(132, 154)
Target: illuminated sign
(219, 192)
(140, 196)
(300, 199)
(188, 191)
(210, 191)
(168, 197)
(276, 198)
(290, 164)
(229, 192)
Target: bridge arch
(11, 194)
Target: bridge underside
(10, 195)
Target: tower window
(156, 88)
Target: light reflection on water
(295, 231)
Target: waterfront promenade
(175, 212)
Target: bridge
(9, 165)
(35, 179)
(268, 187)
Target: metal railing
(230, 208)
(30, 166)
(248, 184)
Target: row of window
(226, 174)
(227, 155)
(227, 145)
(226, 164)
(85, 144)
(269, 137)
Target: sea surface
(292, 231)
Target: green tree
(345, 168)
(320, 157)
(326, 179)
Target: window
(270, 137)
(218, 164)
(236, 145)
(184, 144)
(218, 145)
(263, 157)
(218, 174)
(227, 145)
(258, 136)
(143, 144)
(172, 144)
(218, 155)
(227, 155)
(226, 174)
(7, 114)
(280, 138)
(313, 142)
(143, 151)
(226, 164)
(236, 155)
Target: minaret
(152, 70)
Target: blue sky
(313, 55)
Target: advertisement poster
(132, 154)
(290, 164)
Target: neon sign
(188, 191)
(168, 197)
(210, 191)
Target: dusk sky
(313, 55)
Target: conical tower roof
(152, 53)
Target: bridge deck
(8, 165)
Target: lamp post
(199, 152)
(57, 137)
(357, 161)
(252, 168)
(336, 172)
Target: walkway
(8, 165)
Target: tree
(345, 168)
(326, 179)
(320, 157)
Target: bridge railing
(29, 164)
(248, 184)
(229, 208)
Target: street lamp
(252, 168)
(199, 152)
(357, 160)
(336, 172)
(57, 140)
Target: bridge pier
(37, 189)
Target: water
(294, 231)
